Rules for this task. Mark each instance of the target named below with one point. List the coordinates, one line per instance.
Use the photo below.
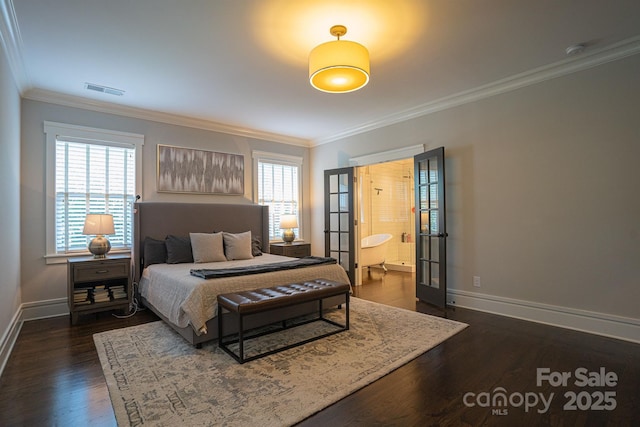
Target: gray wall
(542, 189)
(42, 282)
(10, 197)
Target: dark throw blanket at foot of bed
(308, 261)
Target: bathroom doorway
(387, 206)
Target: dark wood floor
(53, 376)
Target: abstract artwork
(187, 170)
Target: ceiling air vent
(104, 89)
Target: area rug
(156, 378)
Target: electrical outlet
(476, 281)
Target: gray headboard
(157, 220)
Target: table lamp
(99, 225)
(288, 223)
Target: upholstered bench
(246, 303)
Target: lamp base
(100, 246)
(288, 236)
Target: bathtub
(373, 250)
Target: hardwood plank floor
(53, 376)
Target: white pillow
(238, 246)
(207, 247)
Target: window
(277, 185)
(89, 171)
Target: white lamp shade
(288, 221)
(339, 66)
(98, 224)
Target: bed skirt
(256, 321)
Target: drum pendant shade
(339, 66)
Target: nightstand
(96, 285)
(295, 249)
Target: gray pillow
(237, 246)
(256, 246)
(155, 252)
(207, 247)
(178, 249)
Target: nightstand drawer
(100, 272)
(297, 251)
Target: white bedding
(188, 300)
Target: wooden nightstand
(295, 249)
(96, 285)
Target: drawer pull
(101, 271)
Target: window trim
(87, 135)
(282, 159)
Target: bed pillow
(178, 249)
(207, 247)
(256, 246)
(155, 252)
(237, 246)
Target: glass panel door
(339, 230)
(431, 250)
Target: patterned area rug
(156, 378)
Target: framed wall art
(188, 170)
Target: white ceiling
(241, 65)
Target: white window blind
(92, 178)
(278, 186)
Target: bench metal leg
(219, 326)
(225, 345)
(240, 338)
(347, 296)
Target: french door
(431, 247)
(339, 219)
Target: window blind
(92, 178)
(278, 188)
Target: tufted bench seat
(246, 303)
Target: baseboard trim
(44, 309)
(623, 328)
(9, 338)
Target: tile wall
(386, 206)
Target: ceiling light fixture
(339, 66)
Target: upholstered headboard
(157, 220)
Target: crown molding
(584, 61)
(12, 44)
(156, 116)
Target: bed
(189, 303)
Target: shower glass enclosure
(387, 206)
